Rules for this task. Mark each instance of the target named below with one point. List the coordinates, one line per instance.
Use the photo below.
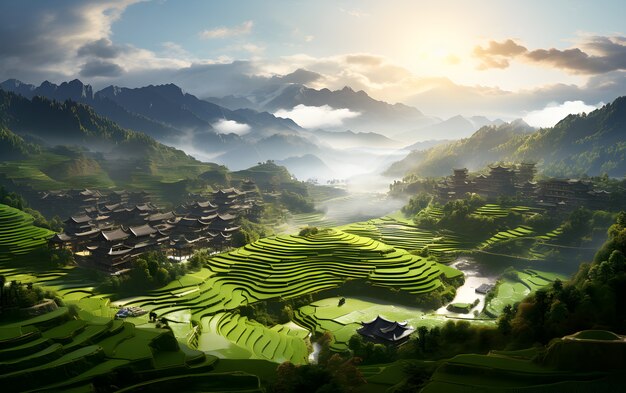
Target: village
(111, 229)
(518, 181)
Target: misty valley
(233, 199)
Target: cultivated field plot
(18, 235)
(343, 321)
(515, 286)
(56, 352)
(407, 236)
(522, 231)
(514, 371)
(282, 267)
(497, 211)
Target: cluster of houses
(518, 181)
(110, 232)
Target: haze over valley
(334, 196)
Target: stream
(466, 293)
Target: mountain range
(584, 144)
(242, 137)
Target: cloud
(223, 32)
(603, 54)
(498, 54)
(98, 68)
(301, 76)
(231, 127)
(354, 13)
(596, 55)
(102, 48)
(317, 116)
(553, 113)
(364, 59)
(58, 40)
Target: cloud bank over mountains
(596, 55)
(64, 39)
(313, 117)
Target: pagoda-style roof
(202, 205)
(383, 330)
(88, 233)
(143, 230)
(111, 207)
(225, 217)
(145, 207)
(160, 216)
(191, 223)
(90, 193)
(499, 167)
(80, 219)
(115, 235)
(60, 238)
(226, 193)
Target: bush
(308, 231)
(296, 203)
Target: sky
(497, 58)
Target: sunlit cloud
(317, 116)
(553, 113)
(593, 55)
(223, 32)
(231, 127)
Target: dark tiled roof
(381, 329)
(117, 234)
(143, 230)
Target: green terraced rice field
(282, 267)
(511, 291)
(18, 236)
(55, 351)
(511, 234)
(406, 236)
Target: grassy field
(515, 371)
(516, 285)
(343, 321)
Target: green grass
(512, 290)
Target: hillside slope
(590, 144)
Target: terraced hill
(18, 235)
(283, 267)
(58, 352)
(407, 236)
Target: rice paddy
(18, 235)
(203, 307)
(55, 351)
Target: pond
(475, 276)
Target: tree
(3, 281)
(422, 331)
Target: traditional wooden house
(569, 192)
(383, 331)
(77, 224)
(525, 172)
(225, 198)
(500, 182)
(223, 223)
(199, 209)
